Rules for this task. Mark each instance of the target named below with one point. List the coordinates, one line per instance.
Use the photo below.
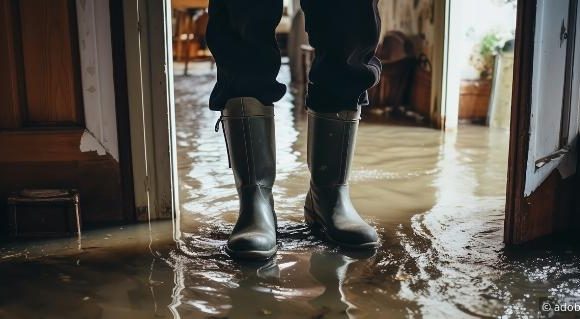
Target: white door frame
(445, 76)
(148, 41)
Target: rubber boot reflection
(254, 295)
(330, 269)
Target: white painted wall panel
(97, 75)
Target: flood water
(436, 199)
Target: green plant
(484, 53)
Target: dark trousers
(344, 34)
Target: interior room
(117, 196)
(433, 184)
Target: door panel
(546, 152)
(545, 108)
(47, 30)
(9, 112)
(48, 146)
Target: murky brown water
(437, 201)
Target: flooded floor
(437, 201)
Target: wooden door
(41, 110)
(545, 112)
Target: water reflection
(303, 285)
(437, 201)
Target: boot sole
(312, 221)
(252, 254)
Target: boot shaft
(331, 144)
(250, 138)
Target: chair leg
(187, 54)
(188, 42)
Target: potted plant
(475, 94)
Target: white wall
(467, 23)
(475, 19)
(97, 78)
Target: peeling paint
(90, 144)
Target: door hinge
(147, 183)
(139, 21)
(563, 33)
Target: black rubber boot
(331, 142)
(249, 131)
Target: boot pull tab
(217, 124)
(217, 128)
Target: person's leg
(344, 34)
(241, 37)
